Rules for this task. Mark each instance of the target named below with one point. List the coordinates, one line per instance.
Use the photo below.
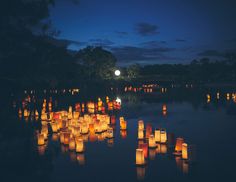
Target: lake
(204, 118)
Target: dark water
(209, 125)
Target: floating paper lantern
(164, 107)
(140, 125)
(84, 128)
(72, 144)
(144, 146)
(151, 142)
(185, 151)
(44, 117)
(113, 120)
(140, 134)
(54, 127)
(157, 135)
(148, 130)
(109, 133)
(123, 125)
(140, 160)
(62, 138)
(66, 138)
(178, 146)
(41, 139)
(163, 136)
(79, 145)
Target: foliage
(97, 62)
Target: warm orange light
(178, 146)
(140, 160)
(185, 151)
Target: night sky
(149, 31)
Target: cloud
(180, 40)
(121, 33)
(153, 43)
(146, 29)
(101, 42)
(226, 54)
(63, 42)
(142, 55)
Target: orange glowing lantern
(144, 146)
(164, 107)
(185, 151)
(163, 136)
(72, 144)
(109, 132)
(157, 135)
(41, 139)
(140, 125)
(178, 146)
(79, 145)
(66, 138)
(54, 127)
(151, 142)
(113, 120)
(148, 130)
(140, 160)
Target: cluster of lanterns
(227, 95)
(157, 142)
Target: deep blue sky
(149, 31)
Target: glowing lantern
(66, 138)
(148, 130)
(99, 102)
(113, 120)
(140, 134)
(76, 115)
(140, 160)
(44, 116)
(185, 151)
(54, 127)
(26, 113)
(79, 145)
(41, 139)
(72, 144)
(123, 125)
(164, 107)
(140, 125)
(163, 136)
(157, 135)
(109, 133)
(84, 128)
(178, 146)
(218, 95)
(54, 137)
(144, 146)
(62, 138)
(228, 96)
(151, 142)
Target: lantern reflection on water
(80, 158)
(123, 124)
(140, 160)
(152, 153)
(140, 134)
(123, 134)
(140, 172)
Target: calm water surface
(209, 125)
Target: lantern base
(152, 147)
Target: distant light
(117, 72)
(118, 100)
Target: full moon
(117, 72)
